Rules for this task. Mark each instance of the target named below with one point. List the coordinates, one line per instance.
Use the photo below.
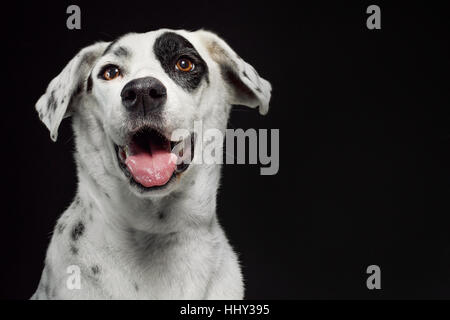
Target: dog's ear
(65, 90)
(246, 87)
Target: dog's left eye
(185, 65)
(110, 72)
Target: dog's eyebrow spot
(121, 52)
(77, 231)
(95, 269)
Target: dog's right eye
(110, 72)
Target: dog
(143, 223)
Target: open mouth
(151, 160)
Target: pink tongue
(151, 168)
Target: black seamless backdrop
(364, 127)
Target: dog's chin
(152, 164)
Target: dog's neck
(121, 214)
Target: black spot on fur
(52, 104)
(170, 47)
(95, 269)
(107, 195)
(136, 287)
(78, 89)
(258, 89)
(161, 215)
(60, 227)
(245, 75)
(74, 250)
(77, 231)
(89, 83)
(121, 52)
(47, 290)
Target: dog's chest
(155, 267)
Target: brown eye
(185, 65)
(111, 72)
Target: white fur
(135, 253)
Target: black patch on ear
(168, 48)
(77, 231)
(230, 76)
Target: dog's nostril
(157, 93)
(129, 95)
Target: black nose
(144, 95)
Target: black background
(364, 139)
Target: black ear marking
(52, 104)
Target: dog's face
(130, 96)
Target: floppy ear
(246, 87)
(64, 91)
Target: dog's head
(129, 96)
